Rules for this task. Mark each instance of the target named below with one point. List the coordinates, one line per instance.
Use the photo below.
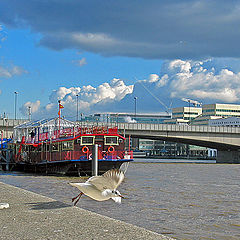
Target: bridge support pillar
(228, 157)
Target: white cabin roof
(51, 122)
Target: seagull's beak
(121, 196)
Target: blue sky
(47, 69)
(106, 51)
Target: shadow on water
(47, 205)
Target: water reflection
(185, 201)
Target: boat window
(55, 147)
(111, 140)
(87, 140)
(67, 145)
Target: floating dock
(32, 216)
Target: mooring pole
(8, 160)
(95, 160)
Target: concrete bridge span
(225, 139)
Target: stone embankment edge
(33, 216)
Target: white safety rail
(176, 128)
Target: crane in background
(190, 101)
(168, 109)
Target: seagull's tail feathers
(117, 199)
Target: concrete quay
(33, 216)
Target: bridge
(6, 126)
(225, 139)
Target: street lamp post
(135, 105)
(29, 112)
(15, 110)
(77, 106)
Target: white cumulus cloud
(32, 106)
(88, 97)
(193, 79)
(203, 81)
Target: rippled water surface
(184, 201)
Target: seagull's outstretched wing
(109, 180)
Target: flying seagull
(102, 187)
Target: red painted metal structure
(68, 150)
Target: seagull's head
(112, 193)
(116, 193)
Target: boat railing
(70, 132)
(75, 155)
(51, 156)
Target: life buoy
(111, 149)
(85, 149)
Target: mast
(60, 106)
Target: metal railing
(170, 127)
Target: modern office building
(222, 110)
(186, 113)
(212, 112)
(227, 122)
(154, 118)
(183, 115)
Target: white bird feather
(102, 187)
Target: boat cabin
(62, 140)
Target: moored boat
(59, 146)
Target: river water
(181, 200)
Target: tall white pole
(29, 113)
(15, 114)
(95, 160)
(77, 106)
(135, 101)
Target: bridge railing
(168, 127)
(142, 126)
(172, 128)
(11, 122)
